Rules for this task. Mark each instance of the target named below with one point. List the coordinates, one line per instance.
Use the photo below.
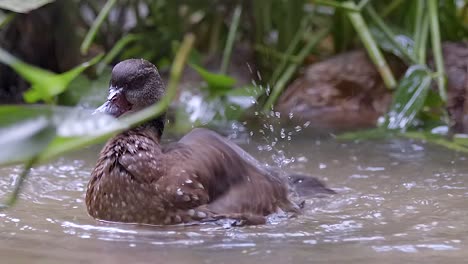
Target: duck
(203, 177)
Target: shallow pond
(398, 201)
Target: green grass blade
(437, 48)
(389, 34)
(116, 49)
(230, 39)
(371, 46)
(95, 26)
(289, 72)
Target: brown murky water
(399, 201)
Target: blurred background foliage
(245, 55)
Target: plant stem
(288, 73)
(391, 7)
(95, 26)
(266, 51)
(418, 29)
(363, 4)
(289, 51)
(119, 45)
(18, 185)
(215, 34)
(372, 49)
(230, 39)
(436, 48)
(422, 46)
(418, 20)
(336, 4)
(388, 33)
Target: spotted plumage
(202, 177)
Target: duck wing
(232, 183)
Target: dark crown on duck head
(135, 84)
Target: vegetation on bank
(282, 35)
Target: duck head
(135, 84)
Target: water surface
(398, 201)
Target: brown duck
(202, 177)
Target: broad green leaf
(11, 114)
(403, 40)
(216, 83)
(80, 122)
(433, 99)
(61, 144)
(50, 84)
(432, 115)
(23, 6)
(44, 84)
(409, 98)
(87, 92)
(26, 130)
(26, 139)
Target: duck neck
(156, 126)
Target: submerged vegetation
(279, 38)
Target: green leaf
(409, 98)
(390, 45)
(11, 114)
(23, 6)
(26, 130)
(50, 84)
(87, 92)
(24, 140)
(217, 84)
(433, 100)
(44, 84)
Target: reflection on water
(397, 200)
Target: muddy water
(398, 201)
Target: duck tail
(306, 185)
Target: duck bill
(116, 104)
